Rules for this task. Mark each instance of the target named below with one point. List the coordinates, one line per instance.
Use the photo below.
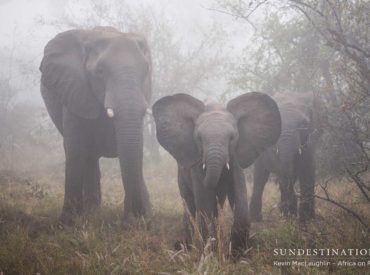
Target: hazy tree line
(297, 46)
(179, 65)
(320, 46)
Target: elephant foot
(138, 210)
(288, 215)
(255, 217)
(288, 211)
(239, 244)
(306, 214)
(71, 211)
(182, 245)
(293, 210)
(238, 250)
(90, 207)
(127, 221)
(147, 214)
(130, 221)
(146, 222)
(67, 219)
(292, 213)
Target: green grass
(32, 241)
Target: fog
(26, 26)
(186, 37)
(293, 79)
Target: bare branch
(354, 214)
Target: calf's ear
(259, 125)
(175, 121)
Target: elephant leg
(76, 151)
(136, 202)
(189, 214)
(306, 176)
(184, 183)
(241, 224)
(205, 204)
(206, 213)
(288, 202)
(260, 177)
(73, 189)
(91, 185)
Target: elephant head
(216, 136)
(303, 117)
(91, 69)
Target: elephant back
(307, 105)
(298, 102)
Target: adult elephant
(302, 117)
(212, 144)
(96, 85)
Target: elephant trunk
(215, 162)
(129, 109)
(129, 133)
(288, 148)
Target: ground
(32, 241)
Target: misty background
(207, 48)
(217, 48)
(26, 27)
(190, 46)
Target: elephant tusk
(227, 166)
(300, 150)
(149, 111)
(110, 112)
(204, 166)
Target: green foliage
(286, 56)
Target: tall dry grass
(32, 241)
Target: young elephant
(212, 144)
(292, 157)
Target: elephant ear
(145, 50)
(63, 73)
(259, 125)
(175, 120)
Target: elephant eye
(303, 135)
(234, 138)
(99, 70)
(198, 140)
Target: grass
(32, 241)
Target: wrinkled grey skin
(212, 144)
(85, 72)
(292, 157)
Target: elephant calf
(212, 144)
(292, 157)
